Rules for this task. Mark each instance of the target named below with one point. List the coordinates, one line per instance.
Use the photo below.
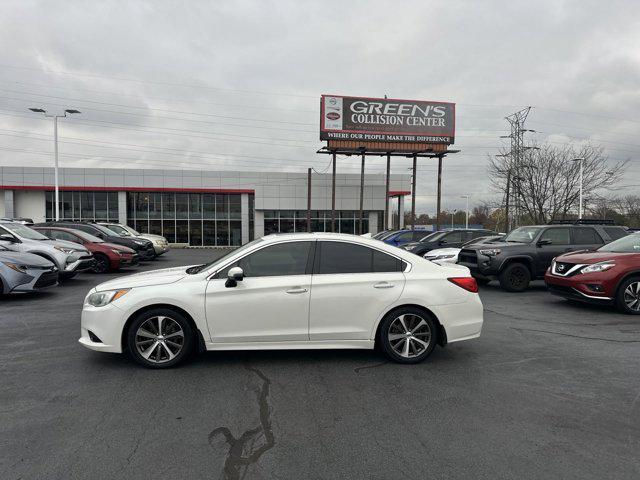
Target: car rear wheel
(101, 264)
(515, 277)
(159, 338)
(408, 335)
(628, 297)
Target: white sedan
(292, 291)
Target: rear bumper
(461, 321)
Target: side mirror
(9, 238)
(234, 276)
(543, 242)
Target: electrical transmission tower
(514, 165)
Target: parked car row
(587, 262)
(37, 256)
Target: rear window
(616, 232)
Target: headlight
(65, 250)
(598, 267)
(117, 252)
(139, 242)
(16, 267)
(100, 299)
(442, 257)
(490, 252)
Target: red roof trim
(399, 193)
(129, 189)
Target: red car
(609, 275)
(107, 256)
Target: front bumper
(105, 324)
(161, 248)
(78, 264)
(34, 279)
(580, 289)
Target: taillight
(468, 283)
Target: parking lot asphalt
(550, 390)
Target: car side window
(289, 258)
(586, 236)
(453, 237)
(417, 236)
(343, 257)
(404, 237)
(556, 236)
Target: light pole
(581, 160)
(452, 214)
(466, 222)
(55, 148)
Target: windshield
(432, 237)
(523, 234)
(105, 230)
(24, 232)
(388, 234)
(380, 235)
(628, 244)
(119, 230)
(131, 230)
(206, 266)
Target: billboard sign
(386, 120)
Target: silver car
(69, 257)
(25, 272)
(160, 244)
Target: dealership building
(201, 207)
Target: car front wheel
(408, 335)
(159, 338)
(628, 297)
(515, 277)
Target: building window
(290, 221)
(77, 206)
(194, 218)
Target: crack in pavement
(242, 450)
(365, 367)
(575, 336)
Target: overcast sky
(236, 85)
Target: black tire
(515, 277)
(159, 357)
(102, 263)
(628, 296)
(66, 275)
(416, 351)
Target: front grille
(563, 268)
(468, 256)
(46, 280)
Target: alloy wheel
(632, 296)
(409, 335)
(159, 339)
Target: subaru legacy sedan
(291, 291)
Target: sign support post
(386, 195)
(333, 195)
(413, 193)
(361, 191)
(439, 192)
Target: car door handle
(383, 285)
(297, 290)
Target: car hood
(591, 257)
(146, 279)
(444, 251)
(29, 259)
(66, 244)
(151, 236)
(120, 248)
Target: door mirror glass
(234, 276)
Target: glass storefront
(199, 219)
(88, 206)
(290, 221)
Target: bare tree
(545, 185)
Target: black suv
(526, 252)
(445, 238)
(144, 248)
